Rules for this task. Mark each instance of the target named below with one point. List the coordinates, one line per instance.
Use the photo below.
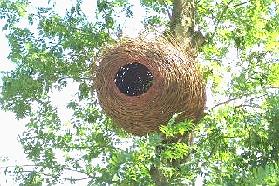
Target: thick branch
(182, 25)
(157, 176)
(182, 21)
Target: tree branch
(182, 25)
(182, 22)
(157, 176)
(240, 4)
(65, 168)
(66, 179)
(167, 10)
(76, 179)
(237, 98)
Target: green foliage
(173, 128)
(162, 9)
(273, 77)
(268, 175)
(236, 143)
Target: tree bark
(182, 25)
(182, 21)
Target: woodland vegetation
(236, 143)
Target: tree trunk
(182, 26)
(182, 21)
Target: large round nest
(141, 85)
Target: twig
(66, 179)
(272, 87)
(168, 12)
(240, 4)
(76, 179)
(14, 166)
(233, 99)
(225, 102)
(213, 59)
(247, 105)
(65, 168)
(80, 78)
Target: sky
(10, 127)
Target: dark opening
(133, 79)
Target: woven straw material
(177, 86)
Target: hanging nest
(141, 85)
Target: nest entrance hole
(133, 79)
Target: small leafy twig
(65, 168)
(240, 4)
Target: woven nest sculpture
(141, 85)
